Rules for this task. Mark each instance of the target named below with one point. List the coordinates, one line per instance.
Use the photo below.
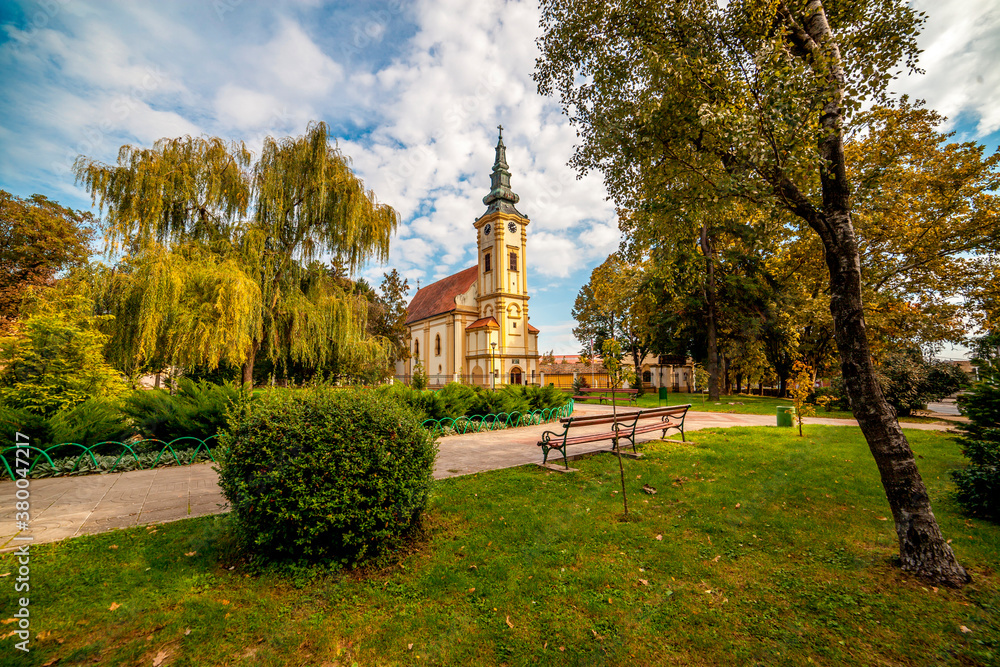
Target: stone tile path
(64, 507)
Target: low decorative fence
(135, 455)
(479, 423)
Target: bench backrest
(591, 420)
(670, 410)
(608, 390)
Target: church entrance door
(515, 375)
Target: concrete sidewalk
(64, 507)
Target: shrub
(978, 485)
(903, 378)
(196, 409)
(322, 474)
(541, 398)
(909, 383)
(580, 382)
(423, 403)
(505, 400)
(825, 396)
(454, 399)
(88, 423)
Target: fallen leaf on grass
(113, 546)
(114, 605)
(964, 629)
(737, 505)
(659, 537)
(187, 631)
(7, 621)
(472, 590)
(648, 489)
(5, 574)
(409, 647)
(509, 624)
(644, 582)
(190, 553)
(716, 559)
(160, 657)
(882, 518)
(50, 662)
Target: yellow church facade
(474, 325)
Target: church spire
(501, 197)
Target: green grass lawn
(744, 404)
(759, 547)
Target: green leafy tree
(616, 303)
(687, 104)
(255, 226)
(56, 360)
(38, 240)
(419, 379)
(390, 318)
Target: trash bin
(663, 395)
(785, 415)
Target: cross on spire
(500, 127)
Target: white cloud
(244, 109)
(961, 46)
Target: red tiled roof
(532, 329)
(490, 322)
(439, 297)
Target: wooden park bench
(602, 394)
(623, 426)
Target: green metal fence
(130, 451)
(479, 423)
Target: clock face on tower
(487, 229)
(511, 227)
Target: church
(473, 325)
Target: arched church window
(513, 261)
(437, 345)
(486, 262)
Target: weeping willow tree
(217, 246)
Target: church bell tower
(503, 279)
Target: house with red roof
(474, 324)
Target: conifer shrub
(197, 408)
(978, 485)
(321, 474)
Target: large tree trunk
(713, 343)
(247, 376)
(922, 548)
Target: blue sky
(413, 89)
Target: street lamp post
(493, 362)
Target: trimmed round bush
(325, 474)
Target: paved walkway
(64, 507)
